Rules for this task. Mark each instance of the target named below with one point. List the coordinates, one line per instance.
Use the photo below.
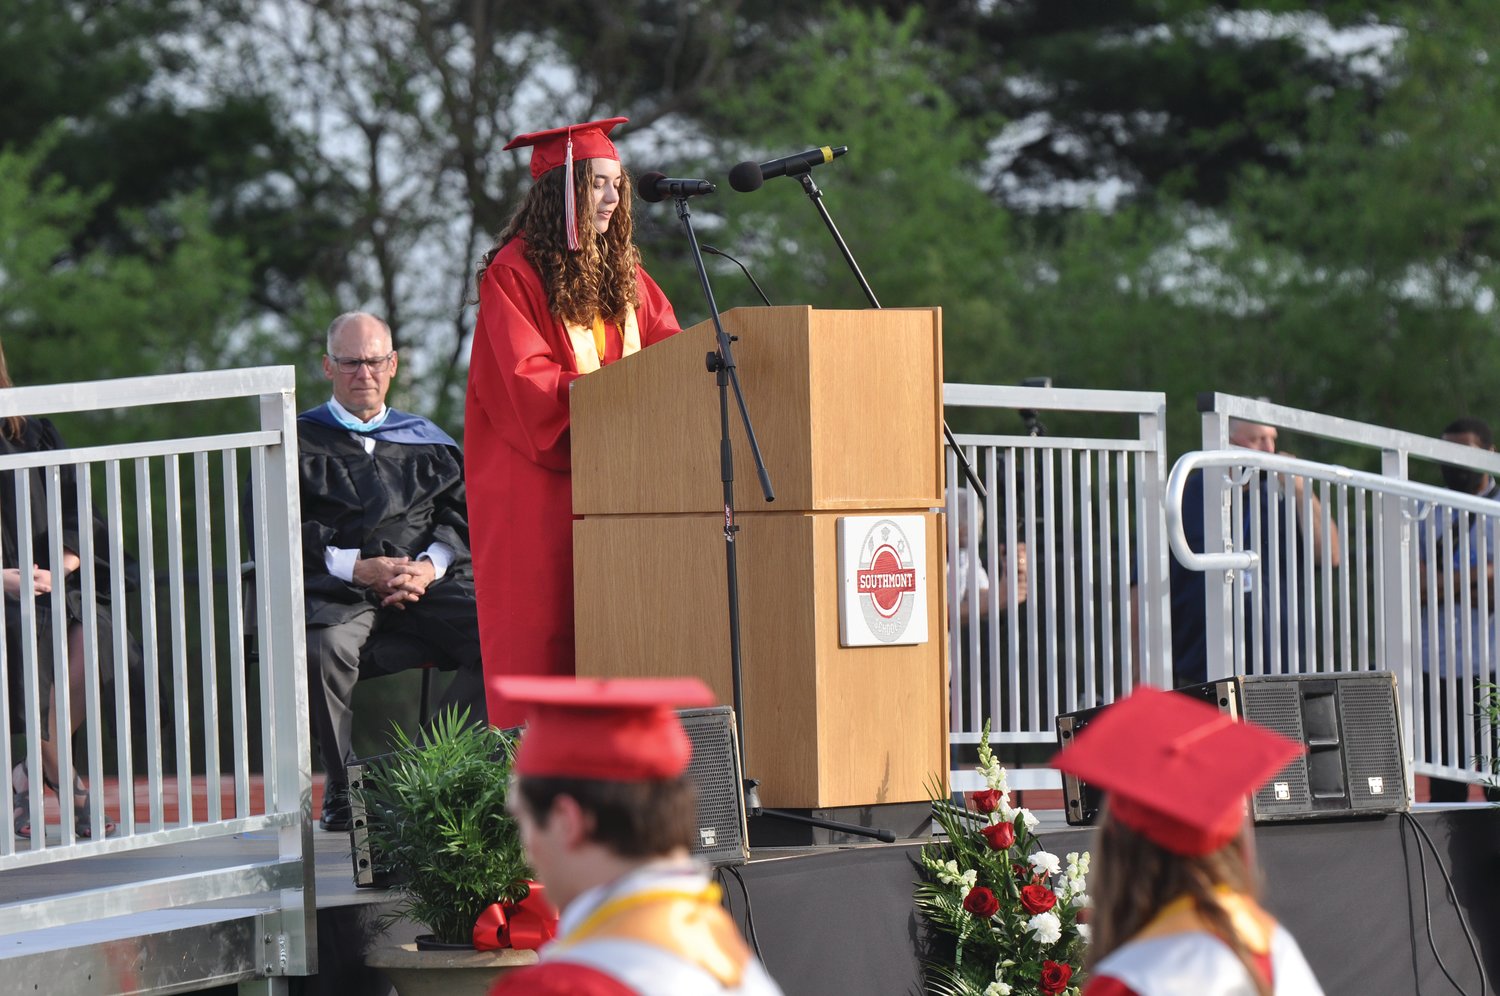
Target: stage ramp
(105, 898)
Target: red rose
(987, 801)
(1055, 976)
(982, 903)
(1000, 836)
(1037, 898)
(1020, 871)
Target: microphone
(654, 186)
(753, 282)
(749, 176)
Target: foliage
(1009, 908)
(1489, 725)
(437, 820)
(128, 113)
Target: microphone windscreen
(647, 187)
(746, 177)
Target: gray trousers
(348, 642)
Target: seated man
(606, 813)
(385, 547)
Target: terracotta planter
(463, 972)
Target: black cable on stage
(1457, 908)
(1416, 965)
(749, 913)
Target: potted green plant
(437, 822)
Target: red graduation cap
(556, 147)
(1177, 770)
(617, 730)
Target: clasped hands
(397, 580)
(41, 581)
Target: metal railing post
(1395, 597)
(284, 653)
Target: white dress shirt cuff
(340, 562)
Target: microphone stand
(816, 196)
(748, 275)
(720, 363)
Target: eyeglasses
(351, 364)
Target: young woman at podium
(561, 294)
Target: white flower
(994, 776)
(948, 874)
(1046, 926)
(997, 988)
(1083, 931)
(1031, 821)
(1045, 863)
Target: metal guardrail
(169, 515)
(1376, 605)
(1340, 558)
(1088, 511)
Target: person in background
(36, 580)
(1189, 612)
(972, 570)
(607, 816)
(385, 548)
(1174, 885)
(561, 294)
(1448, 611)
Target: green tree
(119, 93)
(904, 198)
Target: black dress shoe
(337, 816)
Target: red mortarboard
(1177, 770)
(560, 147)
(616, 730)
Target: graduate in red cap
(607, 817)
(561, 294)
(1174, 885)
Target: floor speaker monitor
(720, 837)
(1354, 763)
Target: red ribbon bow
(525, 926)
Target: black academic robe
(40, 435)
(395, 502)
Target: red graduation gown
(518, 468)
(559, 979)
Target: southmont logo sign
(886, 580)
(883, 587)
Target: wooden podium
(847, 406)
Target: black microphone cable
(1421, 833)
(753, 282)
(750, 935)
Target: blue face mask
(355, 425)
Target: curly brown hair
(1134, 878)
(599, 279)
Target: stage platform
(833, 919)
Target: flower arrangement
(1010, 908)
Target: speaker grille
(1278, 706)
(715, 772)
(1377, 778)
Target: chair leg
(422, 715)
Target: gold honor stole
(589, 345)
(690, 925)
(1250, 922)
